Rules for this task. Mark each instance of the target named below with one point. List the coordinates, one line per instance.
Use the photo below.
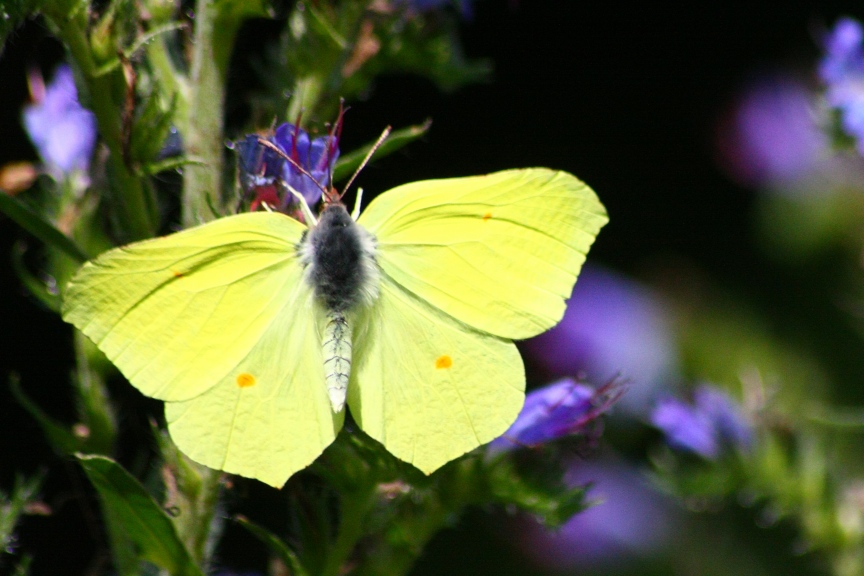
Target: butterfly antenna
(372, 151)
(294, 163)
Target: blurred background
(733, 256)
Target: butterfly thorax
(340, 265)
(340, 260)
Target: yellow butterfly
(256, 329)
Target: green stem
(171, 79)
(208, 529)
(355, 507)
(421, 516)
(203, 131)
(106, 93)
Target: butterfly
(256, 329)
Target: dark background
(626, 96)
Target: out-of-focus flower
(629, 519)
(842, 70)
(267, 175)
(172, 146)
(562, 409)
(771, 136)
(63, 131)
(613, 327)
(259, 168)
(464, 6)
(711, 423)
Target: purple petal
(63, 131)
(725, 414)
(686, 428)
(629, 519)
(772, 136)
(613, 327)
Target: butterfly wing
(499, 252)
(466, 264)
(218, 321)
(429, 388)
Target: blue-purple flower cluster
(305, 166)
(842, 70)
(564, 408)
(712, 423)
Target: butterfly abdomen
(340, 265)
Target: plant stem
(133, 208)
(203, 125)
(355, 506)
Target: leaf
(39, 227)
(129, 507)
(36, 287)
(532, 480)
(58, 435)
(276, 545)
(348, 164)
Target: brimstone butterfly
(252, 328)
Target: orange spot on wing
(177, 274)
(487, 216)
(443, 362)
(245, 380)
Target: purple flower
(613, 327)
(772, 136)
(268, 175)
(842, 70)
(628, 519)
(316, 156)
(564, 408)
(430, 5)
(711, 423)
(63, 131)
(259, 168)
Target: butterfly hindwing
(271, 417)
(499, 252)
(430, 388)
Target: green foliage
(34, 223)
(534, 482)
(13, 506)
(135, 519)
(349, 163)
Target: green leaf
(240, 10)
(532, 480)
(276, 545)
(348, 164)
(39, 227)
(58, 435)
(129, 507)
(152, 127)
(36, 287)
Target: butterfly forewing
(499, 252)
